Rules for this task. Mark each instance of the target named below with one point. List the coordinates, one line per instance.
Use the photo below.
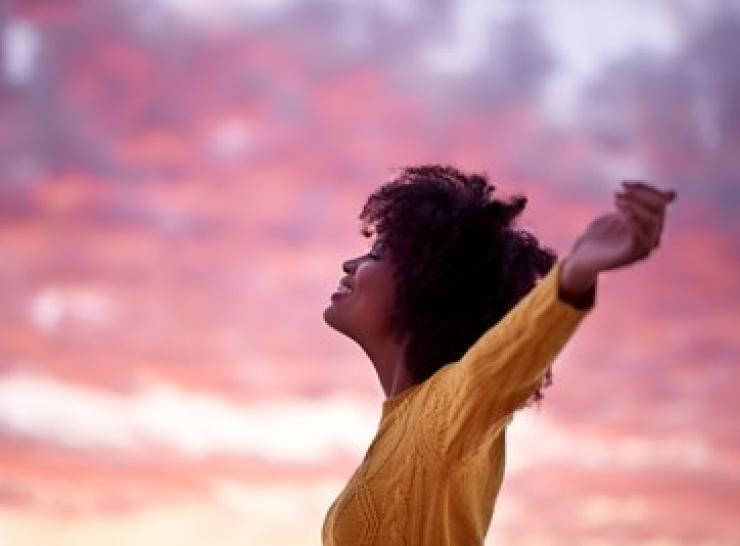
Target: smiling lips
(342, 290)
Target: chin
(327, 315)
(331, 318)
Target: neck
(388, 360)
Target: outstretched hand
(619, 238)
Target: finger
(665, 196)
(647, 214)
(631, 196)
(642, 245)
(645, 209)
(650, 197)
(645, 228)
(630, 212)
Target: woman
(444, 307)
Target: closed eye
(373, 251)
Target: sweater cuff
(584, 302)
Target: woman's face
(362, 305)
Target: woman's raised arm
(503, 368)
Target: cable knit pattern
(434, 469)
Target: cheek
(367, 310)
(380, 296)
(376, 292)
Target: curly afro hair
(459, 263)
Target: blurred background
(180, 182)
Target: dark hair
(459, 263)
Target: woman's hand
(618, 238)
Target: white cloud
(585, 36)
(287, 430)
(231, 138)
(51, 305)
(292, 430)
(466, 49)
(21, 44)
(535, 440)
(233, 514)
(273, 501)
(210, 12)
(600, 510)
(214, 12)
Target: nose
(350, 266)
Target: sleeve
(504, 367)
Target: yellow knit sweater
(434, 469)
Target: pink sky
(180, 183)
